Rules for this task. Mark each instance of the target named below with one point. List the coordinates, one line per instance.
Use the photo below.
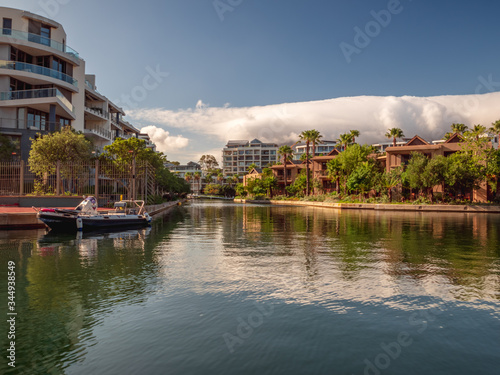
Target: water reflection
(339, 253)
(67, 284)
(227, 255)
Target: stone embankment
(383, 207)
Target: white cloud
(163, 140)
(429, 117)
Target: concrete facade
(44, 86)
(237, 156)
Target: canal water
(220, 288)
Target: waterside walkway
(385, 207)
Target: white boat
(126, 213)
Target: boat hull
(69, 222)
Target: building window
(7, 26)
(37, 120)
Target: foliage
(7, 147)
(394, 133)
(208, 162)
(66, 146)
(458, 128)
(346, 162)
(363, 178)
(122, 154)
(241, 190)
(251, 166)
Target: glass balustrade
(23, 35)
(15, 65)
(35, 94)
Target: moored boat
(85, 216)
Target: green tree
(308, 136)
(495, 129)
(285, 152)
(363, 178)
(345, 139)
(394, 133)
(346, 162)
(208, 162)
(354, 135)
(197, 178)
(477, 131)
(69, 147)
(251, 166)
(7, 147)
(391, 179)
(458, 128)
(66, 146)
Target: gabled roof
(333, 152)
(417, 141)
(455, 138)
(255, 140)
(255, 171)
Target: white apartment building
(323, 148)
(43, 85)
(238, 155)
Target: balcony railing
(100, 132)
(36, 94)
(98, 112)
(42, 124)
(23, 35)
(24, 67)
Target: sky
(196, 73)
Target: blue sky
(253, 53)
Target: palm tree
(307, 136)
(345, 139)
(197, 177)
(315, 139)
(220, 177)
(394, 133)
(188, 177)
(458, 128)
(354, 134)
(478, 130)
(495, 128)
(251, 166)
(286, 152)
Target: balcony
(38, 94)
(36, 69)
(98, 132)
(98, 112)
(34, 38)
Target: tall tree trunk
(307, 168)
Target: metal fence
(105, 180)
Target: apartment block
(238, 155)
(43, 86)
(324, 148)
